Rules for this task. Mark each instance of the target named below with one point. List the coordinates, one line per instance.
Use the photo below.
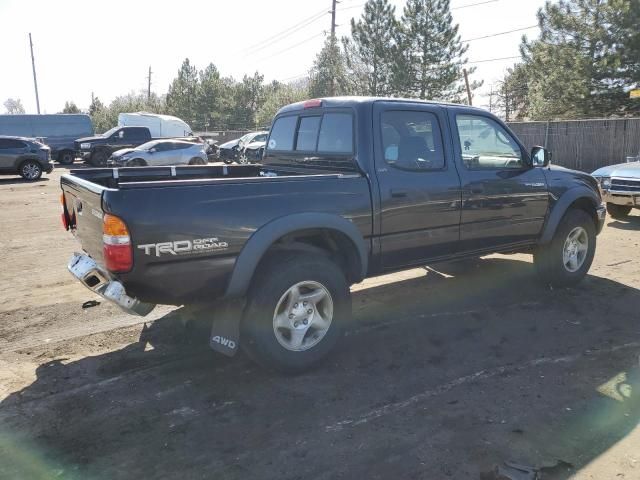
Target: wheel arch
(315, 232)
(581, 198)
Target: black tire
(227, 161)
(99, 158)
(30, 170)
(618, 211)
(197, 161)
(273, 280)
(549, 260)
(136, 162)
(66, 157)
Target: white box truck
(158, 125)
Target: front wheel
(618, 211)
(99, 158)
(136, 162)
(66, 157)
(30, 170)
(567, 258)
(197, 161)
(298, 306)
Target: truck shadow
(629, 223)
(405, 376)
(18, 180)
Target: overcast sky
(84, 46)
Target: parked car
(159, 125)
(97, 149)
(57, 131)
(230, 151)
(621, 187)
(26, 157)
(212, 149)
(252, 152)
(160, 152)
(348, 188)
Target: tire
(555, 263)
(66, 157)
(197, 161)
(136, 162)
(272, 295)
(618, 211)
(99, 158)
(30, 170)
(227, 161)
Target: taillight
(315, 103)
(65, 219)
(118, 254)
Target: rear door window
(336, 133)
(308, 134)
(282, 133)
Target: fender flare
(263, 238)
(561, 207)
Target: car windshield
(148, 145)
(110, 132)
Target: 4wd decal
(184, 247)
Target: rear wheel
(298, 306)
(197, 161)
(66, 157)
(30, 170)
(618, 211)
(567, 258)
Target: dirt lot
(443, 374)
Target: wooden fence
(583, 144)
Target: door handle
(399, 193)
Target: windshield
(148, 145)
(110, 132)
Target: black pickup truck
(97, 149)
(348, 188)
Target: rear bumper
(100, 282)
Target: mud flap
(225, 331)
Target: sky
(106, 47)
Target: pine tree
(70, 107)
(429, 55)
(328, 76)
(182, 94)
(586, 59)
(373, 37)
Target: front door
(418, 182)
(505, 199)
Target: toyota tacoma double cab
(347, 188)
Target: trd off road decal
(184, 247)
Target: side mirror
(540, 157)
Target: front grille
(625, 185)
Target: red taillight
(315, 103)
(118, 254)
(65, 219)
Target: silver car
(160, 153)
(620, 186)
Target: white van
(158, 125)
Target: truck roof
(350, 101)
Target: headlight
(605, 182)
(85, 146)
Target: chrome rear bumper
(100, 282)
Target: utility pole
(149, 85)
(491, 100)
(332, 87)
(466, 82)
(35, 80)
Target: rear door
(418, 181)
(505, 200)
(10, 151)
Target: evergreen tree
(96, 106)
(430, 55)
(588, 54)
(182, 95)
(374, 37)
(328, 76)
(70, 107)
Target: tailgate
(83, 204)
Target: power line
(499, 33)
(292, 46)
(284, 33)
(493, 59)
(474, 4)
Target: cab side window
(282, 134)
(412, 140)
(486, 145)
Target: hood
(563, 177)
(90, 139)
(122, 152)
(230, 144)
(631, 169)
